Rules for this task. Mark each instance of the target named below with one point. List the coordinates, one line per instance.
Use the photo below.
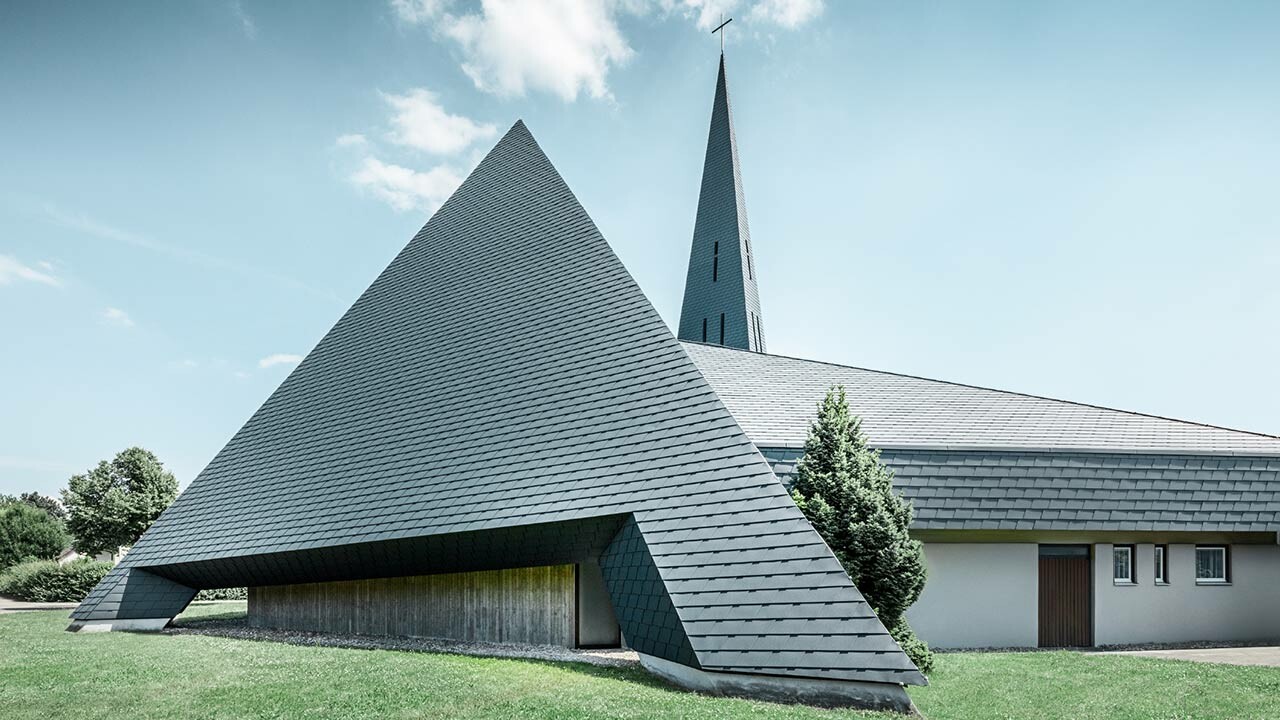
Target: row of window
(1213, 564)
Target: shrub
(47, 581)
(28, 532)
(224, 594)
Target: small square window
(1122, 564)
(1162, 564)
(1213, 564)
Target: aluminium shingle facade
(971, 458)
(721, 297)
(504, 393)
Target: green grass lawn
(46, 673)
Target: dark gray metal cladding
(721, 284)
(505, 371)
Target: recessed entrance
(1066, 596)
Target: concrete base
(139, 625)
(776, 688)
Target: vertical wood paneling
(1065, 602)
(522, 605)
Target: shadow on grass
(233, 625)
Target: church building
(501, 440)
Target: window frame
(1160, 562)
(1226, 565)
(1129, 550)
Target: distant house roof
(971, 458)
(774, 398)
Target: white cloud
(706, 14)
(510, 47)
(246, 21)
(789, 14)
(11, 269)
(419, 122)
(117, 317)
(279, 359)
(406, 189)
(351, 140)
(418, 12)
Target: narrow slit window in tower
(721, 328)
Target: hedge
(47, 581)
(224, 594)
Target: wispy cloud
(509, 47)
(418, 12)
(420, 122)
(13, 462)
(405, 189)
(92, 227)
(279, 359)
(247, 24)
(11, 269)
(351, 140)
(117, 317)
(789, 14)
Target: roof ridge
(990, 389)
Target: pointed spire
(721, 299)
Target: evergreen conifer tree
(847, 493)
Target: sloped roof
(1066, 490)
(720, 290)
(505, 370)
(774, 398)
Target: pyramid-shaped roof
(505, 371)
(721, 298)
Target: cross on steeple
(720, 27)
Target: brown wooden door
(1066, 596)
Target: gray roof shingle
(774, 398)
(506, 371)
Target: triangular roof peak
(505, 373)
(721, 298)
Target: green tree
(847, 493)
(113, 504)
(45, 503)
(26, 532)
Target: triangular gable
(506, 371)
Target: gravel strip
(1201, 645)
(239, 629)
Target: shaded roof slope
(506, 370)
(774, 398)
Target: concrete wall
(979, 595)
(1182, 611)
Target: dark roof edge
(988, 389)
(1173, 452)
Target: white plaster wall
(979, 595)
(1247, 609)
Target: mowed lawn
(46, 673)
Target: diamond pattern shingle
(506, 371)
(774, 399)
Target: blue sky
(1070, 199)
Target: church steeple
(721, 301)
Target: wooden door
(1066, 596)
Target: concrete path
(8, 606)
(1269, 655)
